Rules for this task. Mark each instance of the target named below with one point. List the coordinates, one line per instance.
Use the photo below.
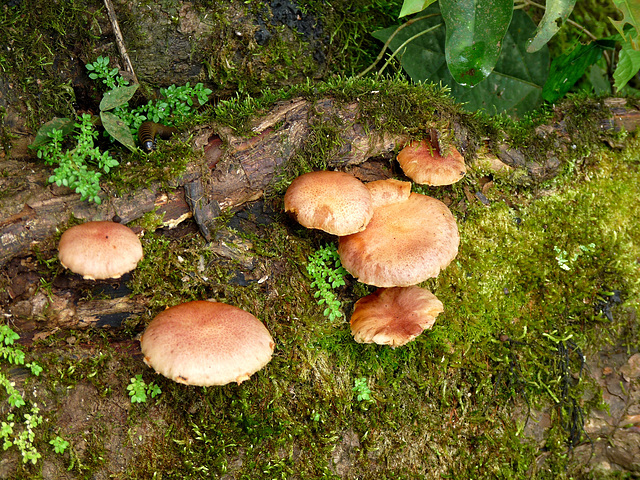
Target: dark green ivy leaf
(42, 136)
(567, 69)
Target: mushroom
(405, 243)
(99, 250)
(335, 202)
(394, 316)
(206, 343)
(422, 162)
(384, 192)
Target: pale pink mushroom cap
(334, 202)
(394, 316)
(206, 343)
(99, 250)
(424, 165)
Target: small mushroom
(422, 162)
(394, 316)
(405, 242)
(206, 343)
(100, 250)
(335, 202)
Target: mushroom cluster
(396, 239)
(388, 237)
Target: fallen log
(228, 171)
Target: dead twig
(120, 40)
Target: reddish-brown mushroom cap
(206, 343)
(404, 243)
(394, 316)
(99, 250)
(422, 163)
(335, 202)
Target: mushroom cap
(99, 250)
(388, 191)
(335, 202)
(394, 316)
(206, 343)
(404, 244)
(422, 163)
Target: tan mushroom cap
(424, 165)
(206, 343)
(384, 192)
(394, 316)
(404, 244)
(335, 202)
(99, 250)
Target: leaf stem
(404, 44)
(386, 45)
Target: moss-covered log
(229, 169)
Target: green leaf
(410, 7)
(630, 14)
(475, 30)
(568, 68)
(555, 14)
(628, 64)
(66, 125)
(118, 129)
(515, 86)
(117, 97)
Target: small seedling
(139, 390)
(328, 274)
(80, 167)
(362, 390)
(59, 444)
(18, 429)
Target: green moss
(140, 170)
(40, 36)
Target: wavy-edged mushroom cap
(388, 191)
(335, 202)
(404, 244)
(422, 163)
(100, 250)
(206, 343)
(394, 316)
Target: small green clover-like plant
(59, 444)
(18, 429)
(328, 274)
(361, 390)
(79, 168)
(139, 391)
(99, 70)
